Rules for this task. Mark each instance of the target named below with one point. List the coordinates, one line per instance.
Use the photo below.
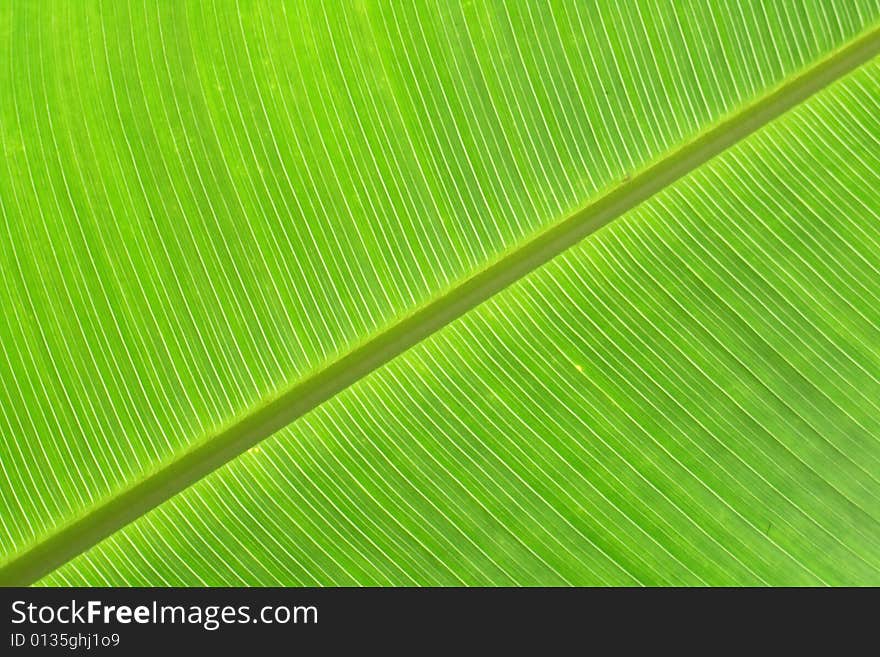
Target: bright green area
(205, 203)
(691, 396)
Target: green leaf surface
(219, 216)
(688, 397)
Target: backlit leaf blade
(688, 397)
(207, 207)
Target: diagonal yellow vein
(274, 414)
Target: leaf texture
(689, 397)
(207, 204)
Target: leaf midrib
(259, 422)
